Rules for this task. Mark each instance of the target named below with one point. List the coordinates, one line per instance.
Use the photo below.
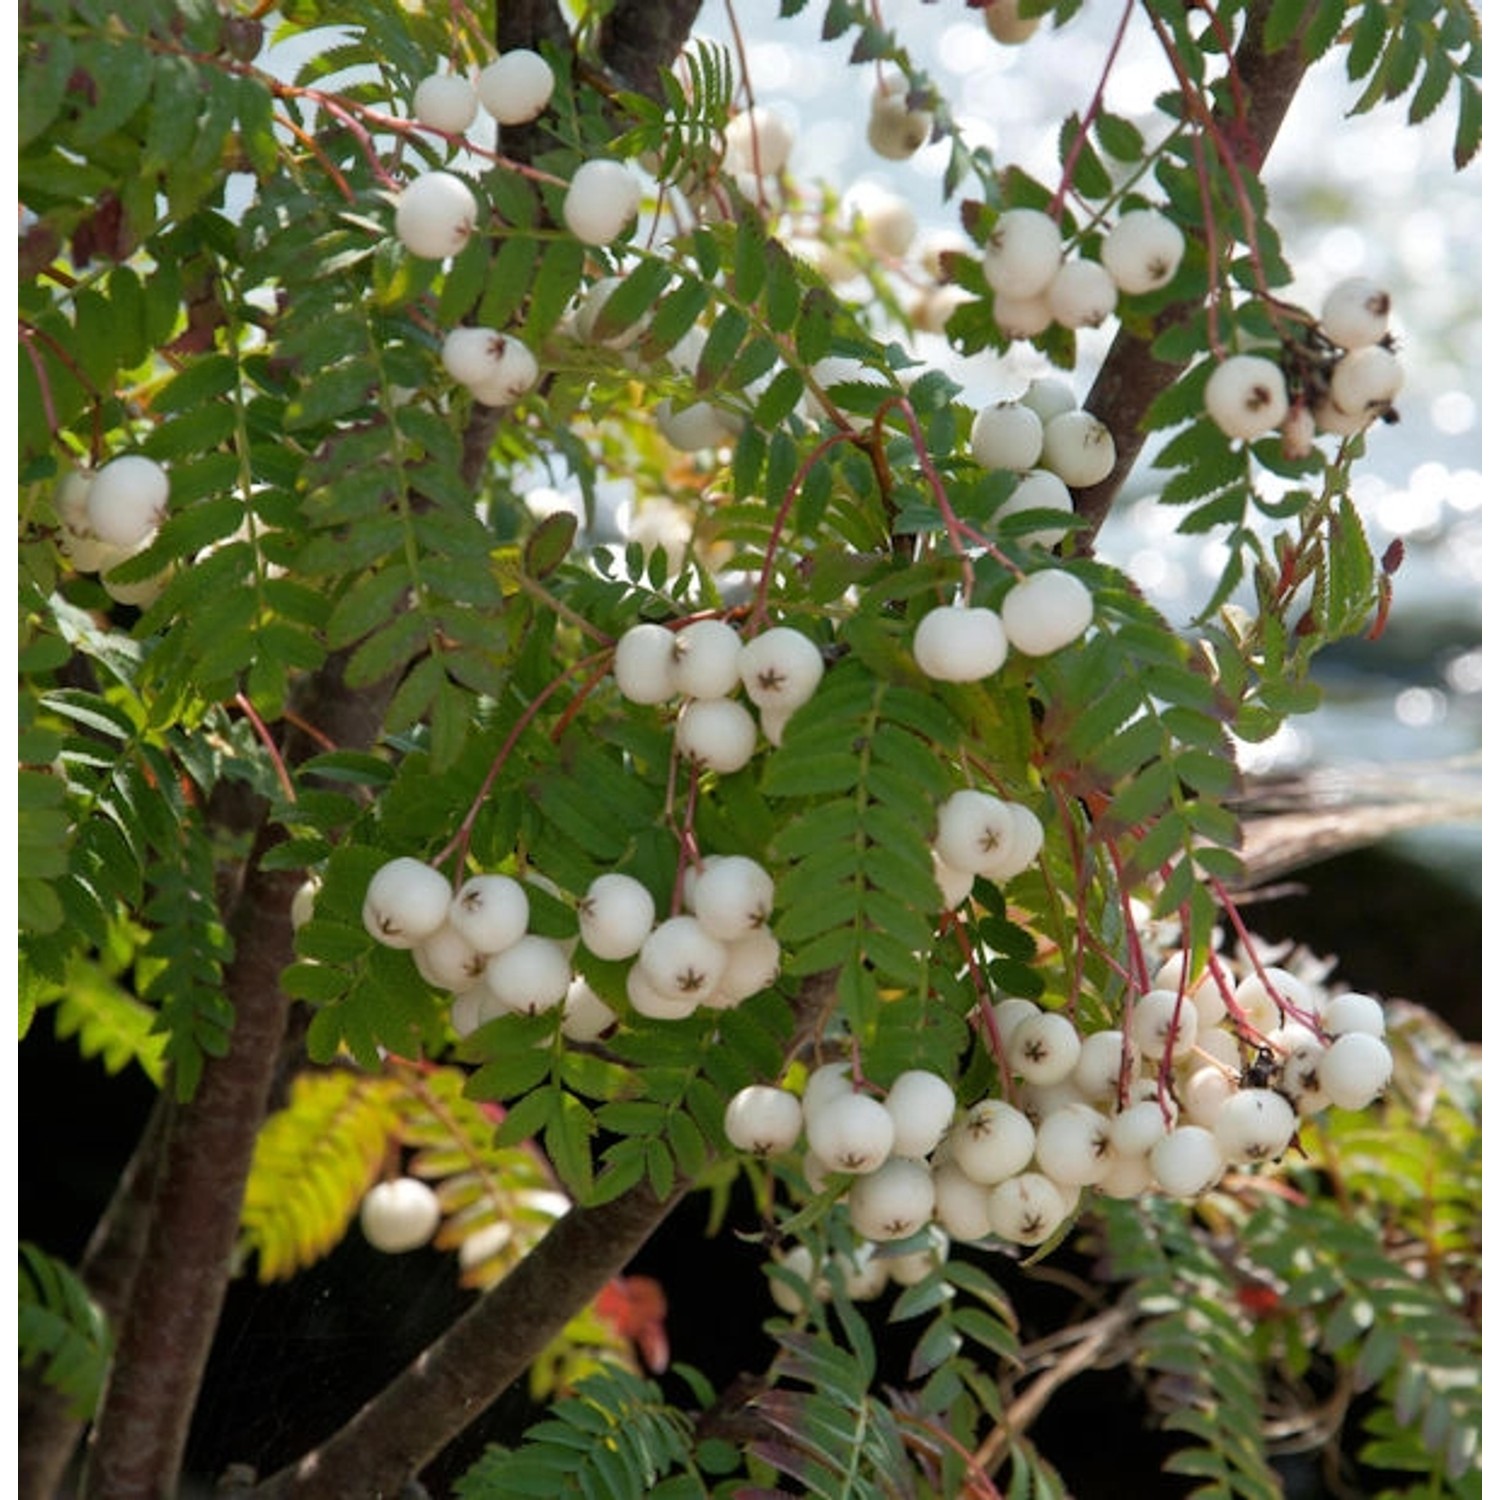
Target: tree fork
(1131, 377)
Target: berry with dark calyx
(515, 372)
(780, 668)
(1021, 317)
(894, 1201)
(615, 916)
(895, 130)
(435, 215)
(647, 1000)
(763, 1120)
(683, 961)
(1246, 396)
(517, 86)
(1364, 382)
(1074, 1145)
(1082, 294)
(991, 1140)
(1044, 1048)
(1356, 312)
(733, 898)
(399, 1215)
(127, 499)
(448, 961)
(974, 829)
(1163, 1019)
(753, 963)
(706, 659)
(1078, 448)
(716, 733)
(490, 912)
(405, 902)
(1254, 1125)
(1027, 1209)
(1143, 251)
(851, 1133)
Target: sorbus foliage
(540, 692)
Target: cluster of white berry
(1345, 379)
(1207, 1077)
(513, 90)
(475, 944)
(705, 663)
(111, 515)
(1035, 286)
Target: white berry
(445, 101)
(892, 1202)
(1163, 1020)
(974, 829)
(763, 1120)
(1254, 1125)
(643, 666)
(1100, 1058)
(752, 964)
(490, 911)
(1364, 382)
(1023, 253)
(647, 999)
(585, 1017)
(405, 902)
(706, 659)
(896, 131)
(851, 1133)
(435, 215)
(922, 1106)
(956, 643)
(716, 733)
(887, 220)
(1356, 312)
(1187, 1162)
(1039, 490)
(1143, 251)
(1044, 1048)
(517, 86)
(1355, 1069)
(399, 1215)
(515, 372)
(1046, 611)
(1048, 397)
(991, 1140)
(448, 961)
(758, 140)
(1021, 317)
(127, 500)
(602, 198)
(615, 916)
(960, 1204)
(1082, 294)
(1078, 448)
(1027, 1209)
(1246, 396)
(1073, 1145)
(733, 898)
(681, 960)
(531, 975)
(1007, 435)
(780, 668)
(1353, 1012)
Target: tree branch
(453, 1381)
(169, 1324)
(49, 1431)
(640, 37)
(1131, 378)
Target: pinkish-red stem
(1090, 114)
